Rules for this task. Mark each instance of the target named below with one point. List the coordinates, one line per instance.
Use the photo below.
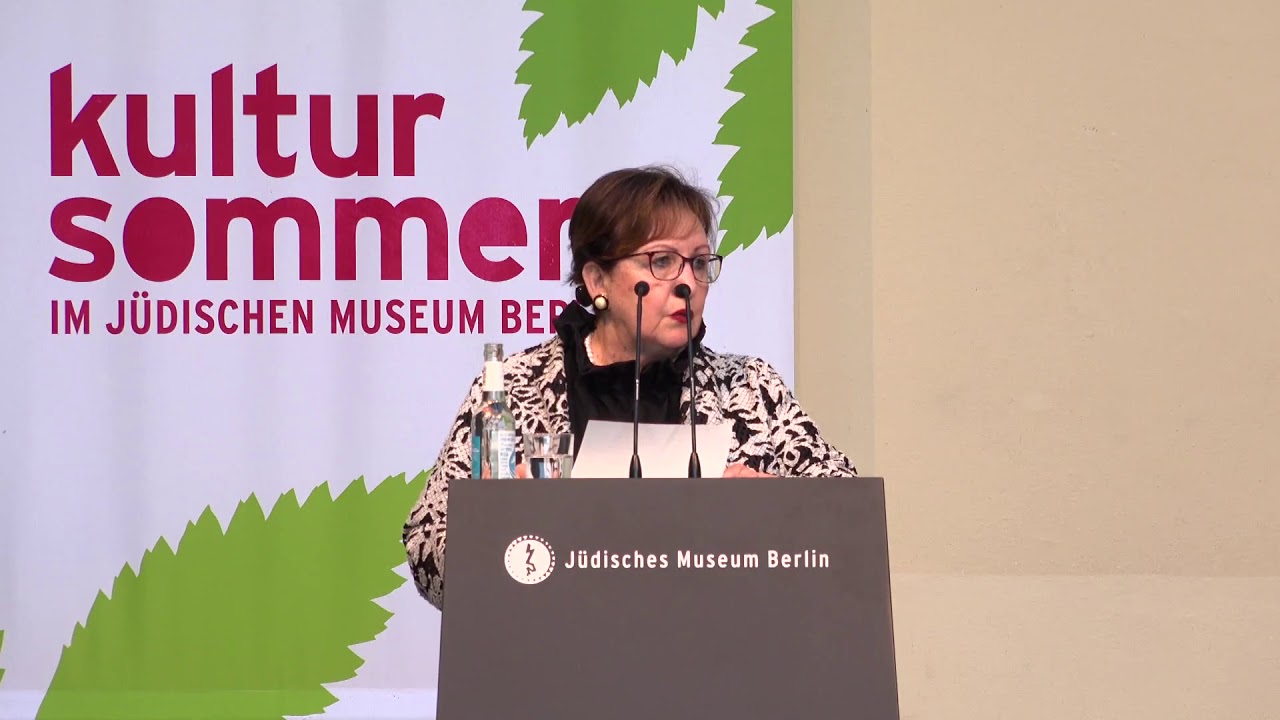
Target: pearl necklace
(586, 343)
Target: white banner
(251, 252)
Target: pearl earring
(601, 302)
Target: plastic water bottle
(493, 428)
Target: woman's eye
(663, 262)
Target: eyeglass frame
(719, 259)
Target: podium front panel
(722, 598)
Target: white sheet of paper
(664, 450)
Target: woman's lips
(680, 316)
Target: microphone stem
(635, 425)
(695, 465)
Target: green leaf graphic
(581, 50)
(759, 175)
(1, 648)
(243, 624)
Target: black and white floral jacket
(771, 434)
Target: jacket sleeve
(425, 531)
(799, 450)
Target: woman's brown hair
(624, 209)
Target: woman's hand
(740, 470)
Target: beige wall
(1053, 234)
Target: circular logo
(530, 559)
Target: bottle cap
(493, 367)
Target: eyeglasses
(668, 264)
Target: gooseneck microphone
(695, 466)
(642, 289)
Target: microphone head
(642, 288)
(683, 292)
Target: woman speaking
(632, 225)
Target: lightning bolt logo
(529, 559)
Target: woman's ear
(593, 277)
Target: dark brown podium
(733, 599)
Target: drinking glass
(550, 455)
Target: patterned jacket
(771, 434)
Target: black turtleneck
(607, 393)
